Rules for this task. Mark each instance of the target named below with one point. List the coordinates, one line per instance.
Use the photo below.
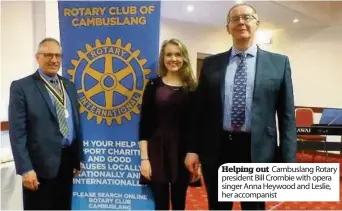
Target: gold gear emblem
(116, 81)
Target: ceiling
(272, 14)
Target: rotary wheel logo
(110, 80)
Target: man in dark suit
(45, 134)
(238, 96)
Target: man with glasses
(239, 94)
(45, 134)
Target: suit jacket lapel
(71, 97)
(44, 92)
(223, 63)
(261, 67)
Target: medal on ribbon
(60, 97)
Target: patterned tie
(239, 94)
(63, 127)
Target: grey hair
(238, 5)
(48, 39)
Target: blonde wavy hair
(186, 72)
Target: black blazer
(33, 127)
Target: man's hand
(196, 176)
(192, 163)
(30, 180)
(77, 172)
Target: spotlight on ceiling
(190, 8)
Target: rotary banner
(110, 50)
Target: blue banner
(110, 50)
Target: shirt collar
(46, 77)
(250, 51)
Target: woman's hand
(146, 169)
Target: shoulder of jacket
(274, 55)
(23, 81)
(214, 58)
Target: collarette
(252, 51)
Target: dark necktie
(239, 94)
(60, 110)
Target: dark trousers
(53, 194)
(161, 194)
(236, 148)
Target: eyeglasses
(245, 19)
(50, 56)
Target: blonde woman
(164, 127)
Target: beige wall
(17, 51)
(317, 72)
